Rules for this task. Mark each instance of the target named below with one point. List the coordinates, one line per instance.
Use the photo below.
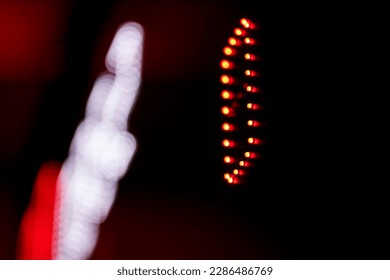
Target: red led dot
(255, 141)
(249, 41)
(253, 123)
(249, 155)
(253, 106)
(234, 42)
(244, 163)
(226, 64)
(250, 73)
(227, 127)
(225, 94)
(228, 159)
(250, 88)
(225, 79)
(225, 110)
(238, 172)
(245, 22)
(249, 56)
(239, 32)
(228, 51)
(227, 143)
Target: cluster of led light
(240, 103)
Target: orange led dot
(239, 32)
(233, 41)
(252, 106)
(252, 140)
(253, 123)
(226, 176)
(225, 64)
(227, 126)
(238, 172)
(249, 41)
(243, 163)
(245, 22)
(250, 73)
(225, 94)
(226, 143)
(225, 110)
(228, 51)
(228, 159)
(230, 180)
(225, 79)
(251, 89)
(249, 56)
(249, 155)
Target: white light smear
(101, 150)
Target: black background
(309, 197)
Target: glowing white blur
(101, 149)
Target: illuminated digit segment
(241, 102)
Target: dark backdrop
(172, 202)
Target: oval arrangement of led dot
(241, 102)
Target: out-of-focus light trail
(101, 149)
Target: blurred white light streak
(101, 150)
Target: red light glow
(30, 48)
(225, 79)
(226, 64)
(250, 73)
(249, 41)
(225, 94)
(250, 155)
(227, 127)
(238, 172)
(247, 23)
(254, 141)
(226, 110)
(253, 106)
(253, 123)
(244, 163)
(232, 180)
(249, 56)
(250, 88)
(229, 51)
(228, 143)
(239, 32)
(234, 42)
(228, 159)
(36, 232)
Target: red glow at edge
(36, 230)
